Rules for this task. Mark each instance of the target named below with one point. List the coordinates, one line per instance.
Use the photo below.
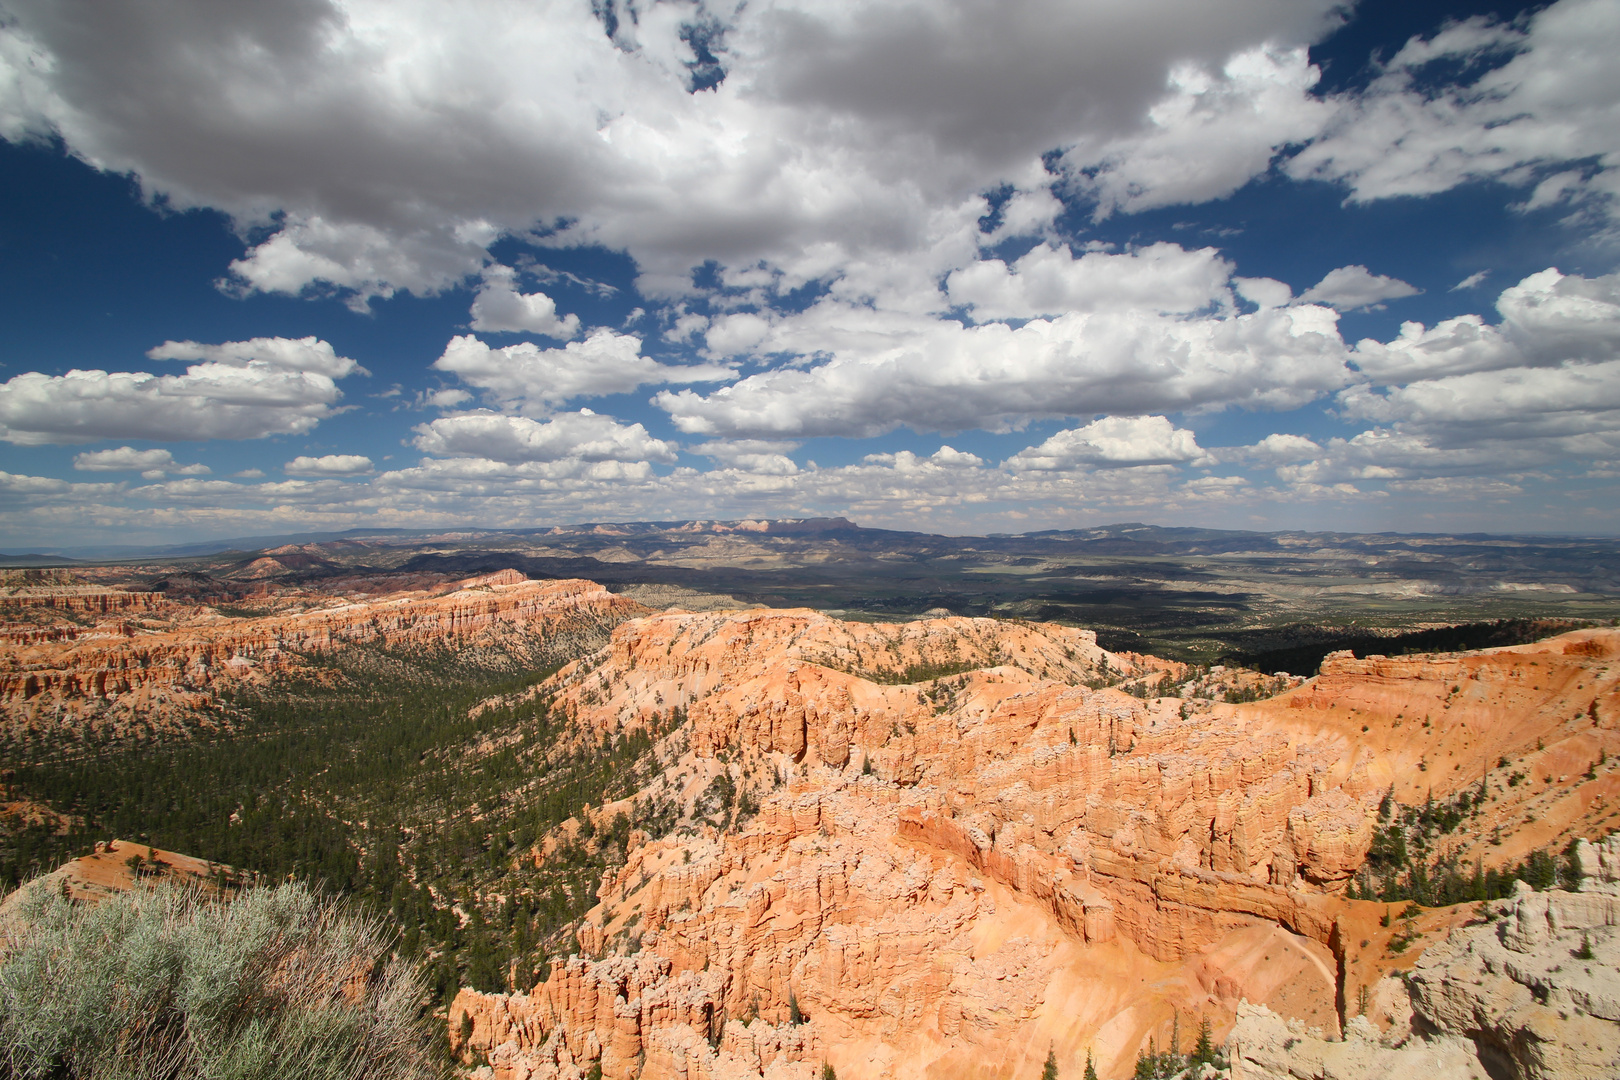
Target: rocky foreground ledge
(1531, 991)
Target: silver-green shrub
(166, 983)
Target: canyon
(1277, 600)
(964, 850)
(944, 847)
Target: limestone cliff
(1530, 991)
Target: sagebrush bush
(165, 982)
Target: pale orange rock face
(1422, 725)
(102, 679)
(950, 877)
(83, 599)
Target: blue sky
(952, 265)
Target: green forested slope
(373, 777)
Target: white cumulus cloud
(728, 335)
(500, 307)
(1548, 318)
(464, 482)
(751, 455)
(1050, 280)
(946, 377)
(1383, 455)
(1351, 287)
(1555, 100)
(1278, 448)
(23, 485)
(151, 464)
(391, 143)
(123, 459)
(229, 398)
(307, 355)
(1556, 317)
(527, 378)
(581, 436)
(1567, 400)
(1211, 134)
(1113, 442)
(329, 465)
(1466, 397)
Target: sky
(964, 266)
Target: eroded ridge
(956, 846)
(164, 675)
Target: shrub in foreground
(165, 982)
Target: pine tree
(1147, 1062)
(1049, 1072)
(1091, 1070)
(1204, 1050)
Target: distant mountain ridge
(1198, 595)
(1133, 533)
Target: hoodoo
(949, 843)
(165, 675)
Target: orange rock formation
(951, 875)
(104, 679)
(951, 847)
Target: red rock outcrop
(632, 1014)
(932, 858)
(85, 599)
(123, 672)
(117, 866)
(1532, 724)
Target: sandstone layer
(962, 855)
(1537, 727)
(945, 848)
(968, 851)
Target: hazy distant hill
(1195, 593)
